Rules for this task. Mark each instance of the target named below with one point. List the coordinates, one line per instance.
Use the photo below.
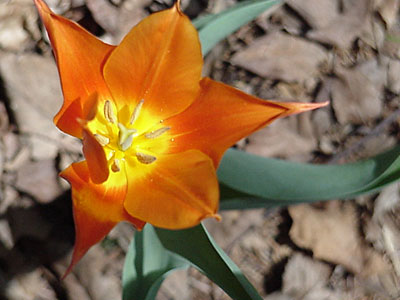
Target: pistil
(125, 137)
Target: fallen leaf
(393, 76)
(273, 140)
(34, 107)
(282, 56)
(317, 13)
(355, 99)
(388, 10)
(331, 233)
(17, 24)
(29, 286)
(303, 274)
(344, 28)
(39, 179)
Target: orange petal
(221, 116)
(69, 120)
(97, 208)
(180, 191)
(158, 61)
(80, 57)
(95, 157)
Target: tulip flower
(153, 131)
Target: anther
(156, 133)
(103, 140)
(109, 113)
(115, 167)
(136, 112)
(145, 158)
(125, 136)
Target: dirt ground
(345, 51)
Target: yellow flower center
(128, 135)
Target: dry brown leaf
(29, 286)
(118, 21)
(331, 233)
(39, 179)
(34, 107)
(302, 274)
(317, 13)
(284, 139)
(355, 98)
(393, 76)
(344, 28)
(98, 273)
(388, 10)
(281, 19)
(17, 24)
(278, 296)
(282, 56)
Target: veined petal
(97, 207)
(95, 157)
(222, 115)
(160, 62)
(71, 119)
(80, 58)
(180, 191)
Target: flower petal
(97, 208)
(180, 191)
(80, 57)
(95, 157)
(222, 115)
(158, 61)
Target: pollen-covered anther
(156, 133)
(115, 167)
(103, 140)
(136, 112)
(145, 158)
(109, 112)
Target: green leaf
(147, 263)
(249, 181)
(214, 28)
(155, 252)
(197, 246)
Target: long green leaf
(249, 181)
(198, 247)
(147, 263)
(214, 28)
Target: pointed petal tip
(177, 6)
(215, 216)
(42, 6)
(296, 108)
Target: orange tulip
(153, 130)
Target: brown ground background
(345, 51)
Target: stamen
(103, 140)
(115, 167)
(145, 158)
(136, 112)
(156, 133)
(109, 113)
(125, 136)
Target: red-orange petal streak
(97, 207)
(179, 192)
(80, 57)
(95, 157)
(159, 61)
(222, 115)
